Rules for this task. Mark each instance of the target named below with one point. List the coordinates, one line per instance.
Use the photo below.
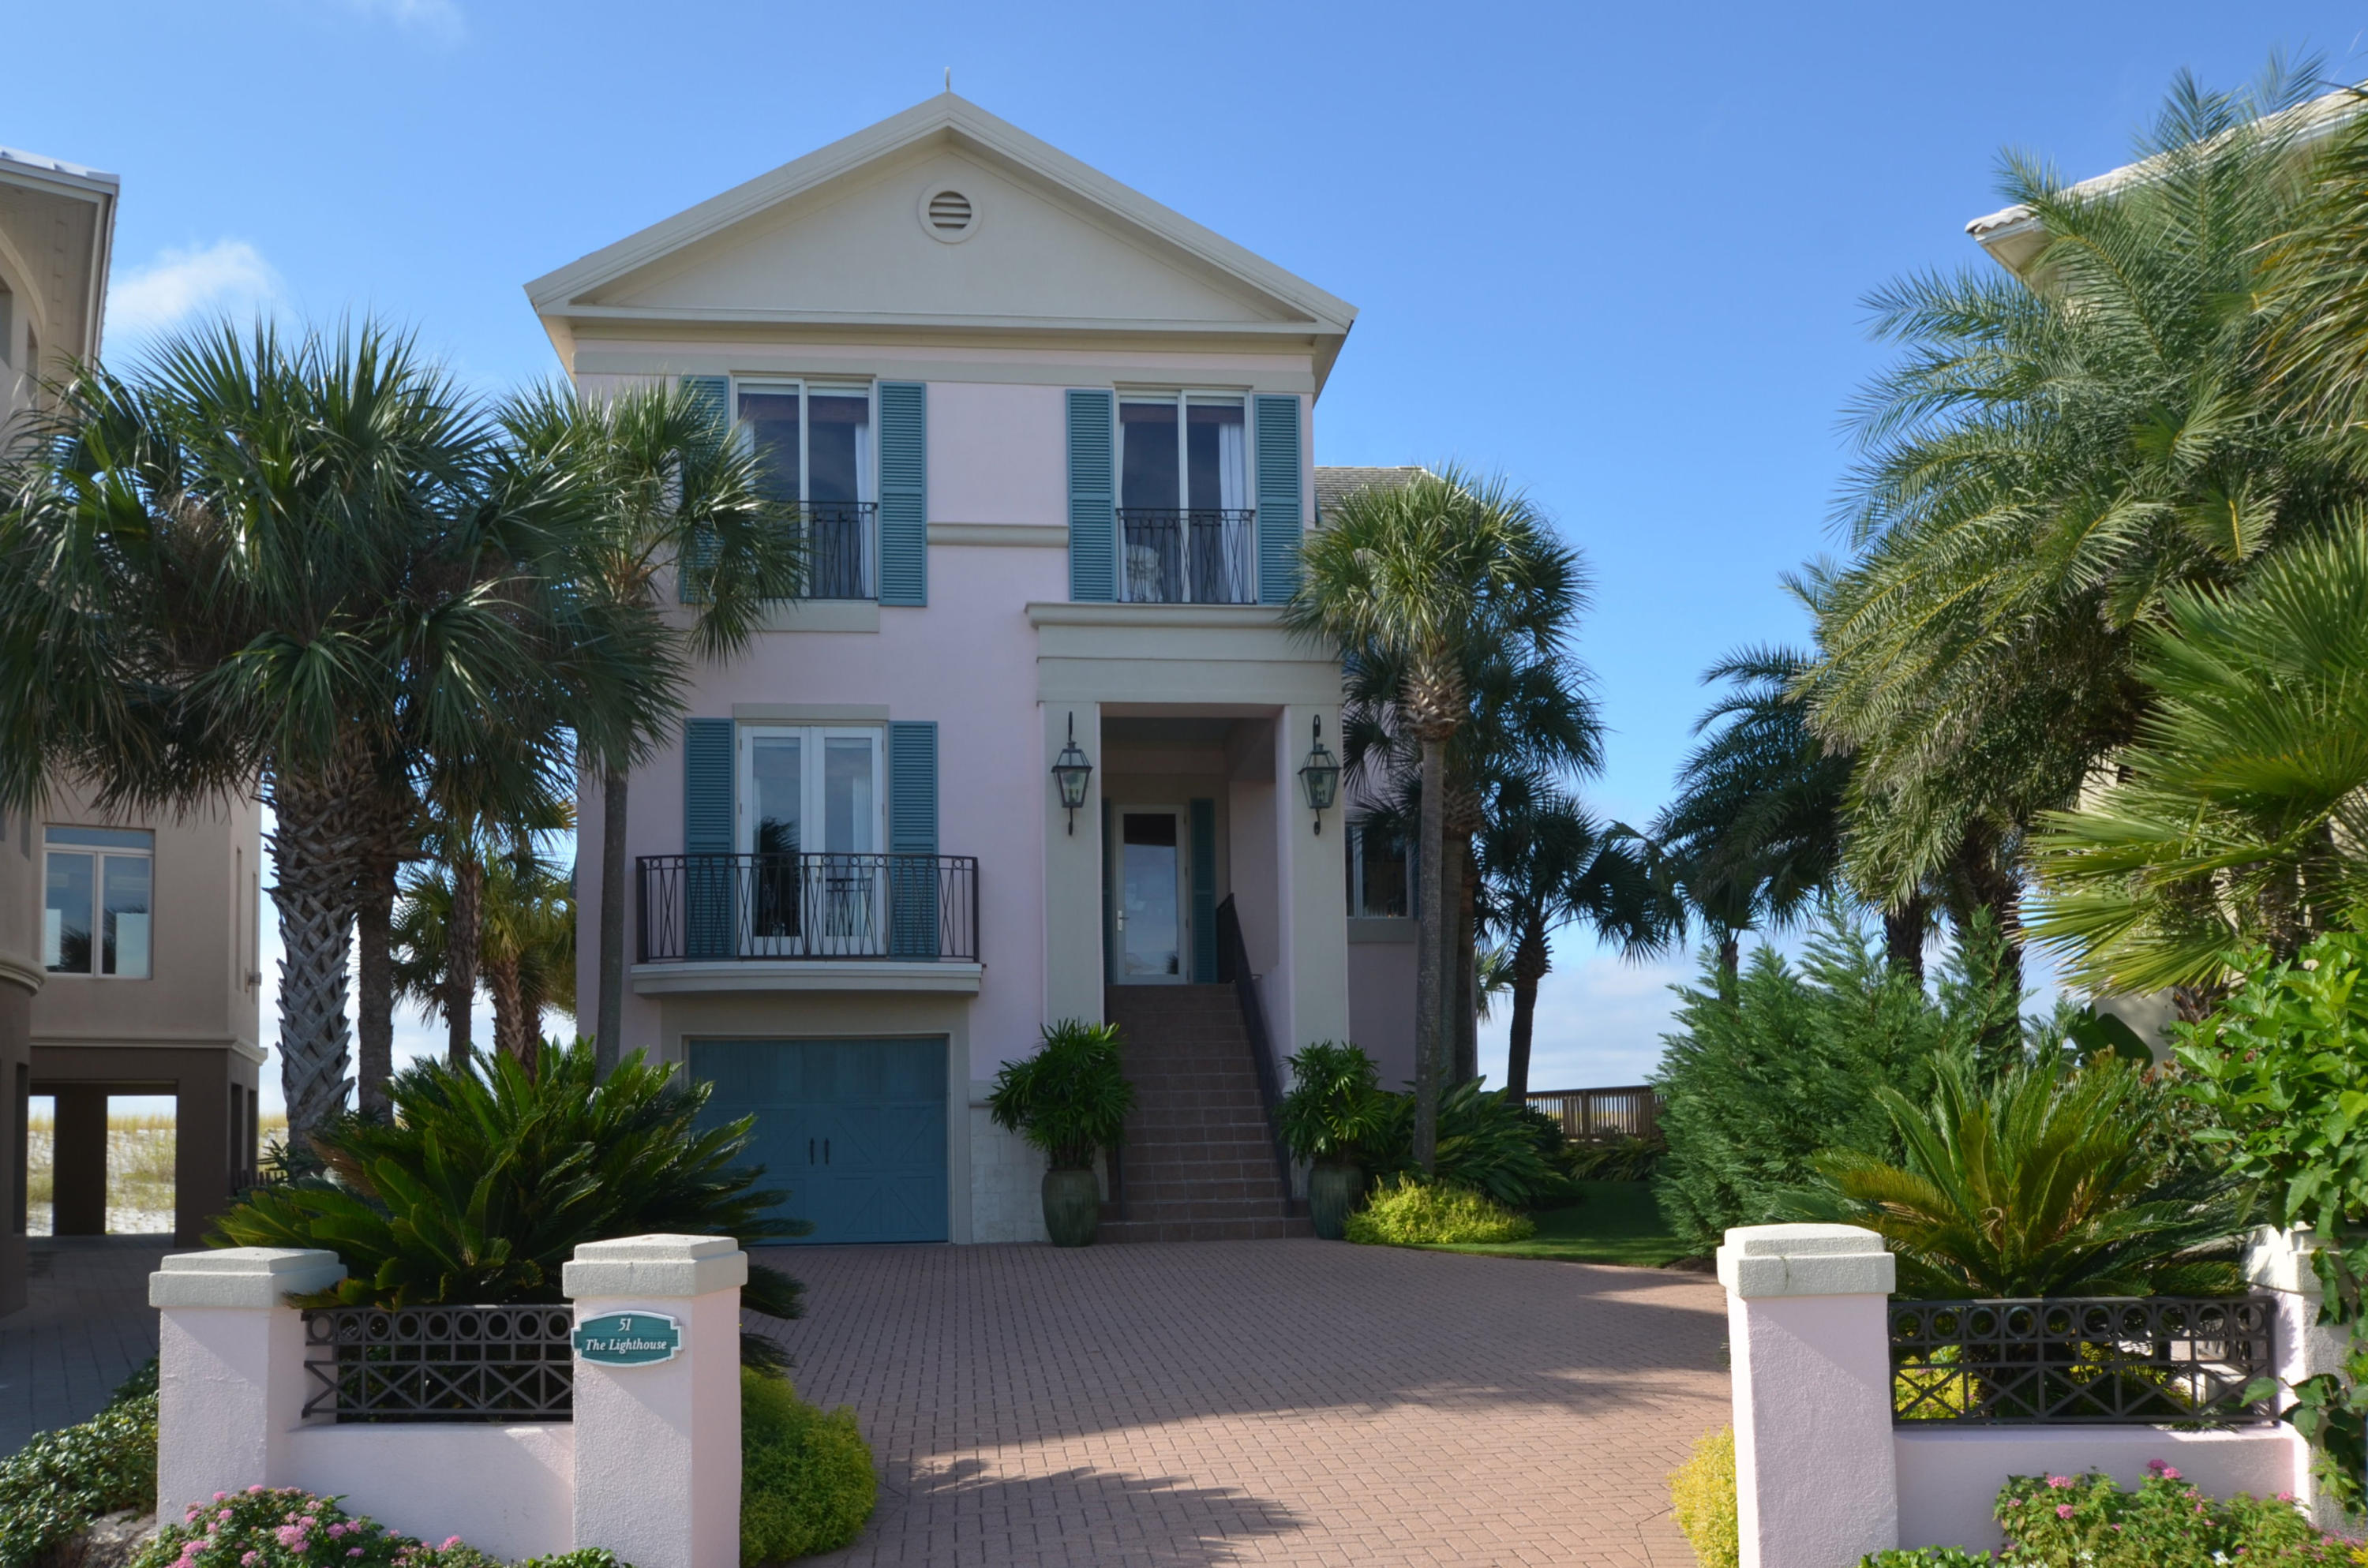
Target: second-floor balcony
(1171, 556)
(840, 548)
(833, 907)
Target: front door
(1147, 898)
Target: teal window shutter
(1204, 891)
(913, 893)
(715, 392)
(1278, 497)
(708, 767)
(1093, 496)
(903, 493)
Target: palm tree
(1544, 863)
(2054, 454)
(1753, 838)
(1426, 576)
(681, 495)
(525, 945)
(305, 566)
(2240, 815)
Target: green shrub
(2087, 1521)
(1404, 1212)
(490, 1178)
(1619, 1159)
(1070, 1099)
(1334, 1110)
(806, 1483)
(1487, 1143)
(1702, 1495)
(284, 1527)
(61, 1480)
(1766, 1075)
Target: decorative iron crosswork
(1167, 556)
(839, 558)
(2158, 1360)
(439, 1363)
(829, 906)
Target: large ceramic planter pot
(1332, 1194)
(1073, 1207)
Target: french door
(1147, 894)
(810, 803)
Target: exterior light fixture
(1319, 776)
(1070, 772)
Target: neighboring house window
(814, 441)
(1380, 885)
(1185, 517)
(95, 906)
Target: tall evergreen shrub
(1783, 1066)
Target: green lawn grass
(1616, 1224)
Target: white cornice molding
(1037, 536)
(1223, 617)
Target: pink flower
(2170, 1472)
(222, 1496)
(252, 1490)
(353, 1551)
(450, 1542)
(222, 1517)
(2059, 1482)
(2063, 1510)
(2285, 1496)
(247, 1560)
(2014, 1502)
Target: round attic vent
(948, 215)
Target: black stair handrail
(1234, 964)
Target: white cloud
(1600, 1019)
(437, 18)
(227, 277)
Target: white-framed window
(810, 804)
(98, 900)
(816, 441)
(1381, 874)
(1185, 513)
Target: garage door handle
(825, 1150)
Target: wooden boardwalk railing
(1595, 1115)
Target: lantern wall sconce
(1070, 773)
(1319, 777)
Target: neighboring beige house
(127, 942)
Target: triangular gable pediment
(841, 236)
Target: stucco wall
(519, 1500)
(1381, 1002)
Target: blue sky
(1617, 251)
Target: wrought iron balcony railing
(1168, 556)
(839, 536)
(708, 908)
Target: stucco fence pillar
(1822, 1476)
(649, 1466)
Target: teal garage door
(855, 1130)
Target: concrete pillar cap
(242, 1277)
(1805, 1260)
(654, 1265)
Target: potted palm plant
(1332, 1114)
(1070, 1099)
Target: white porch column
(1307, 997)
(1073, 875)
(1815, 1469)
(657, 1445)
(230, 1367)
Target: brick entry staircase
(1199, 1161)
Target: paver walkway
(86, 1325)
(1261, 1402)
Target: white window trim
(100, 854)
(807, 388)
(812, 740)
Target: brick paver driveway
(1261, 1402)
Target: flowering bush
(2087, 1521)
(262, 1527)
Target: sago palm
(2239, 815)
(2053, 454)
(308, 566)
(1426, 576)
(2044, 1182)
(681, 500)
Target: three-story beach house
(1033, 745)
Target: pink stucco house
(1054, 446)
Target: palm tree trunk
(1903, 936)
(1730, 960)
(314, 852)
(1467, 961)
(1450, 968)
(1427, 990)
(461, 955)
(1529, 962)
(374, 1022)
(609, 1026)
(514, 1034)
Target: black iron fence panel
(2132, 1360)
(490, 1363)
(821, 906)
(1168, 556)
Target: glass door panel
(847, 871)
(774, 805)
(1150, 898)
